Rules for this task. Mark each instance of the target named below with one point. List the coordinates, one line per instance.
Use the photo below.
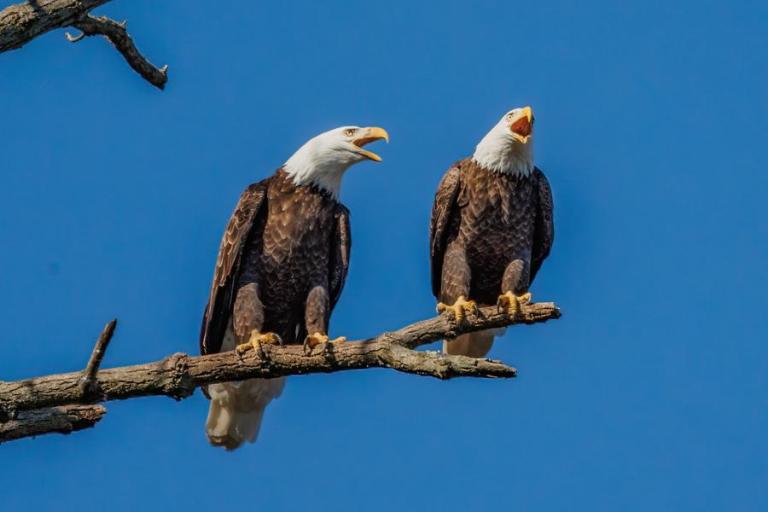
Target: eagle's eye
(510, 115)
(349, 132)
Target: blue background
(650, 392)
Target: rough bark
(89, 386)
(20, 23)
(116, 34)
(178, 375)
(61, 420)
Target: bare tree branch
(88, 384)
(61, 420)
(117, 34)
(20, 23)
(178, 375)
(445, 326)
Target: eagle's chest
(496, 209)
(297, 234)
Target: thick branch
(117, 34)
(61, 420)
(20, 23)
(178, 375)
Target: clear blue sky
(649, 393)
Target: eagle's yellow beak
(371, 134)
(522, 127)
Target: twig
(178, 375)
(62, 420)
(74, 39)
(89, 385)
(117, 34)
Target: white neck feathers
(310, 165)
(500, 152)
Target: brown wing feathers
(443, 211)
(222, 290)
(544, 231)
(340, 255)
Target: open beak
(369, 135)
(523, 126)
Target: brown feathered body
(281, 266)
(490, 233)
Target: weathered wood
(177, 376)
(21, 23)
(88, 385)
(444, 326)
(61, 420)
(117, 34)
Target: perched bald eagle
(491, 228)
(281, 267)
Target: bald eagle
(491, 228)
(281, 267)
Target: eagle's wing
(342, 244)
(544, 227)
(443, 211)
(217, 312)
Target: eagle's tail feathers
(237, 408)
(473, 344)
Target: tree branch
(21, 23)
(61, 420)
(89, 386)
(178, 375)
(445, 326)
(117, 35)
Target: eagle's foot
(460, 309)
(318, 338)
(512, 304)
(257, 339)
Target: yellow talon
(512, 304)
(257, 339)
(460, 309)
(318, 338)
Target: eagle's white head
(508, 147)
(323, 159)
